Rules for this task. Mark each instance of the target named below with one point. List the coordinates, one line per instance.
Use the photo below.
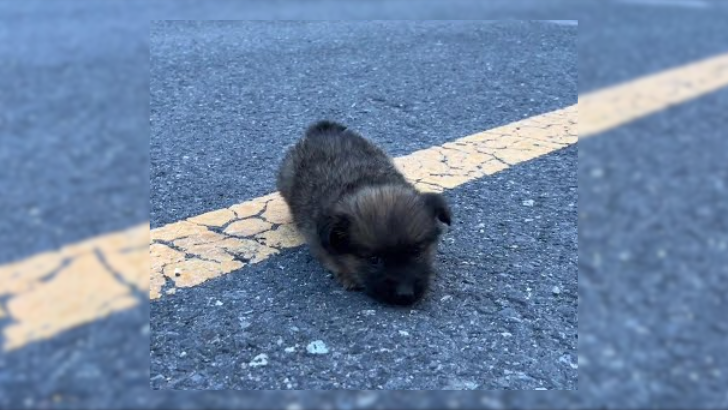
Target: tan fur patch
(376, 211)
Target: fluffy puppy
(360, 216)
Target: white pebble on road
(259, 360)
(317, 347)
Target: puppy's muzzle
(404, 294)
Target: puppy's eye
(375, 260)
(415, 251)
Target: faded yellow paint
(127, 254)
(192, 272)
(132, 266)
(54, 291)
(248, 249)
(247, 227)
(210, 251)
(176, 230)
(79, 293)
(215, 218)
(276, 212)
(247, 209)
(286, 236)
(202, 259)
(162, 255)
(20, 277)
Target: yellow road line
(54, 291)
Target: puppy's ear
(439, 208)
(333, 231)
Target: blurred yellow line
(614, 106)
(53, 291)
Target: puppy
(360, 216)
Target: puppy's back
(324, 127)
(328, 161)
(339, 146)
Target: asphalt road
(105, 364)
(224, 109)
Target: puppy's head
(387, 237)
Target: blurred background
(74, 136)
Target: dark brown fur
(359, 215)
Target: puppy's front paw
(347, 282)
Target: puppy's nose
(404, 289)
(405, 294)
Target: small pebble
(218, 303)
(259, 360)
(528, 202)
(556, 290)
(317, 347)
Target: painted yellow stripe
(54, 291)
